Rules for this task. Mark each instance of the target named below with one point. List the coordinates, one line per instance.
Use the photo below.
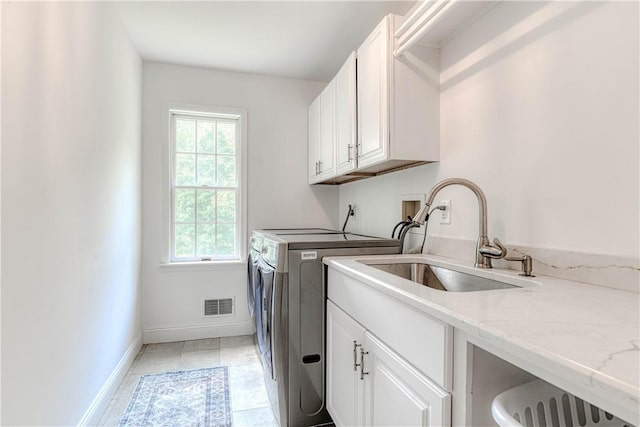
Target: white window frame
(195, 111)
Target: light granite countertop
(583, 338)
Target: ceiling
(299, 39)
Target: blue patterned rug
(185, 398)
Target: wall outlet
(445, 217)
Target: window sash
(236, 188)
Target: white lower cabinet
(369, 384)
(344, 387)
(396, 394)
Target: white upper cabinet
(322, 131)
(314, 139)
(346, 117)
(398, 103)
(326, 159)
(379, 113)
(373, 91)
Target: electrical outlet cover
(446, 214)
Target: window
(206, 187)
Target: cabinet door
(344, 340)
(396, 394)
(373, 97)
(314, 139)
(327, 166)
(346, 116)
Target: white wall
(71, 96)
(378, 200)
(539, 107)
(0, 224)
(278, 193)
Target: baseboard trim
(108, 390)
(196, 332)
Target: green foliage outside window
(205, 188)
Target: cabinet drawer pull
(319, 168)
(355, 355)
(362, 372)
(350, 153)
(316, 168)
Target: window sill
(203, 266)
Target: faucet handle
(498, 251)
(503, 249)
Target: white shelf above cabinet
(432, 23)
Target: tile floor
(249, 402)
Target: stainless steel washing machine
(293, 300)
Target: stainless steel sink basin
(442, 279)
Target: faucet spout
(482, 200)
(484, 250)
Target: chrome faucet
(484, 250)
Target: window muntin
(205, 189)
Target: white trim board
(195, 332)
(108, 390)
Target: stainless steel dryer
(294, 300)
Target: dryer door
(264, 313)
(252, 278)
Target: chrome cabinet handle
(355, 355)
(316, 168)
(362, 372)
(349, 153)
(319, 168)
